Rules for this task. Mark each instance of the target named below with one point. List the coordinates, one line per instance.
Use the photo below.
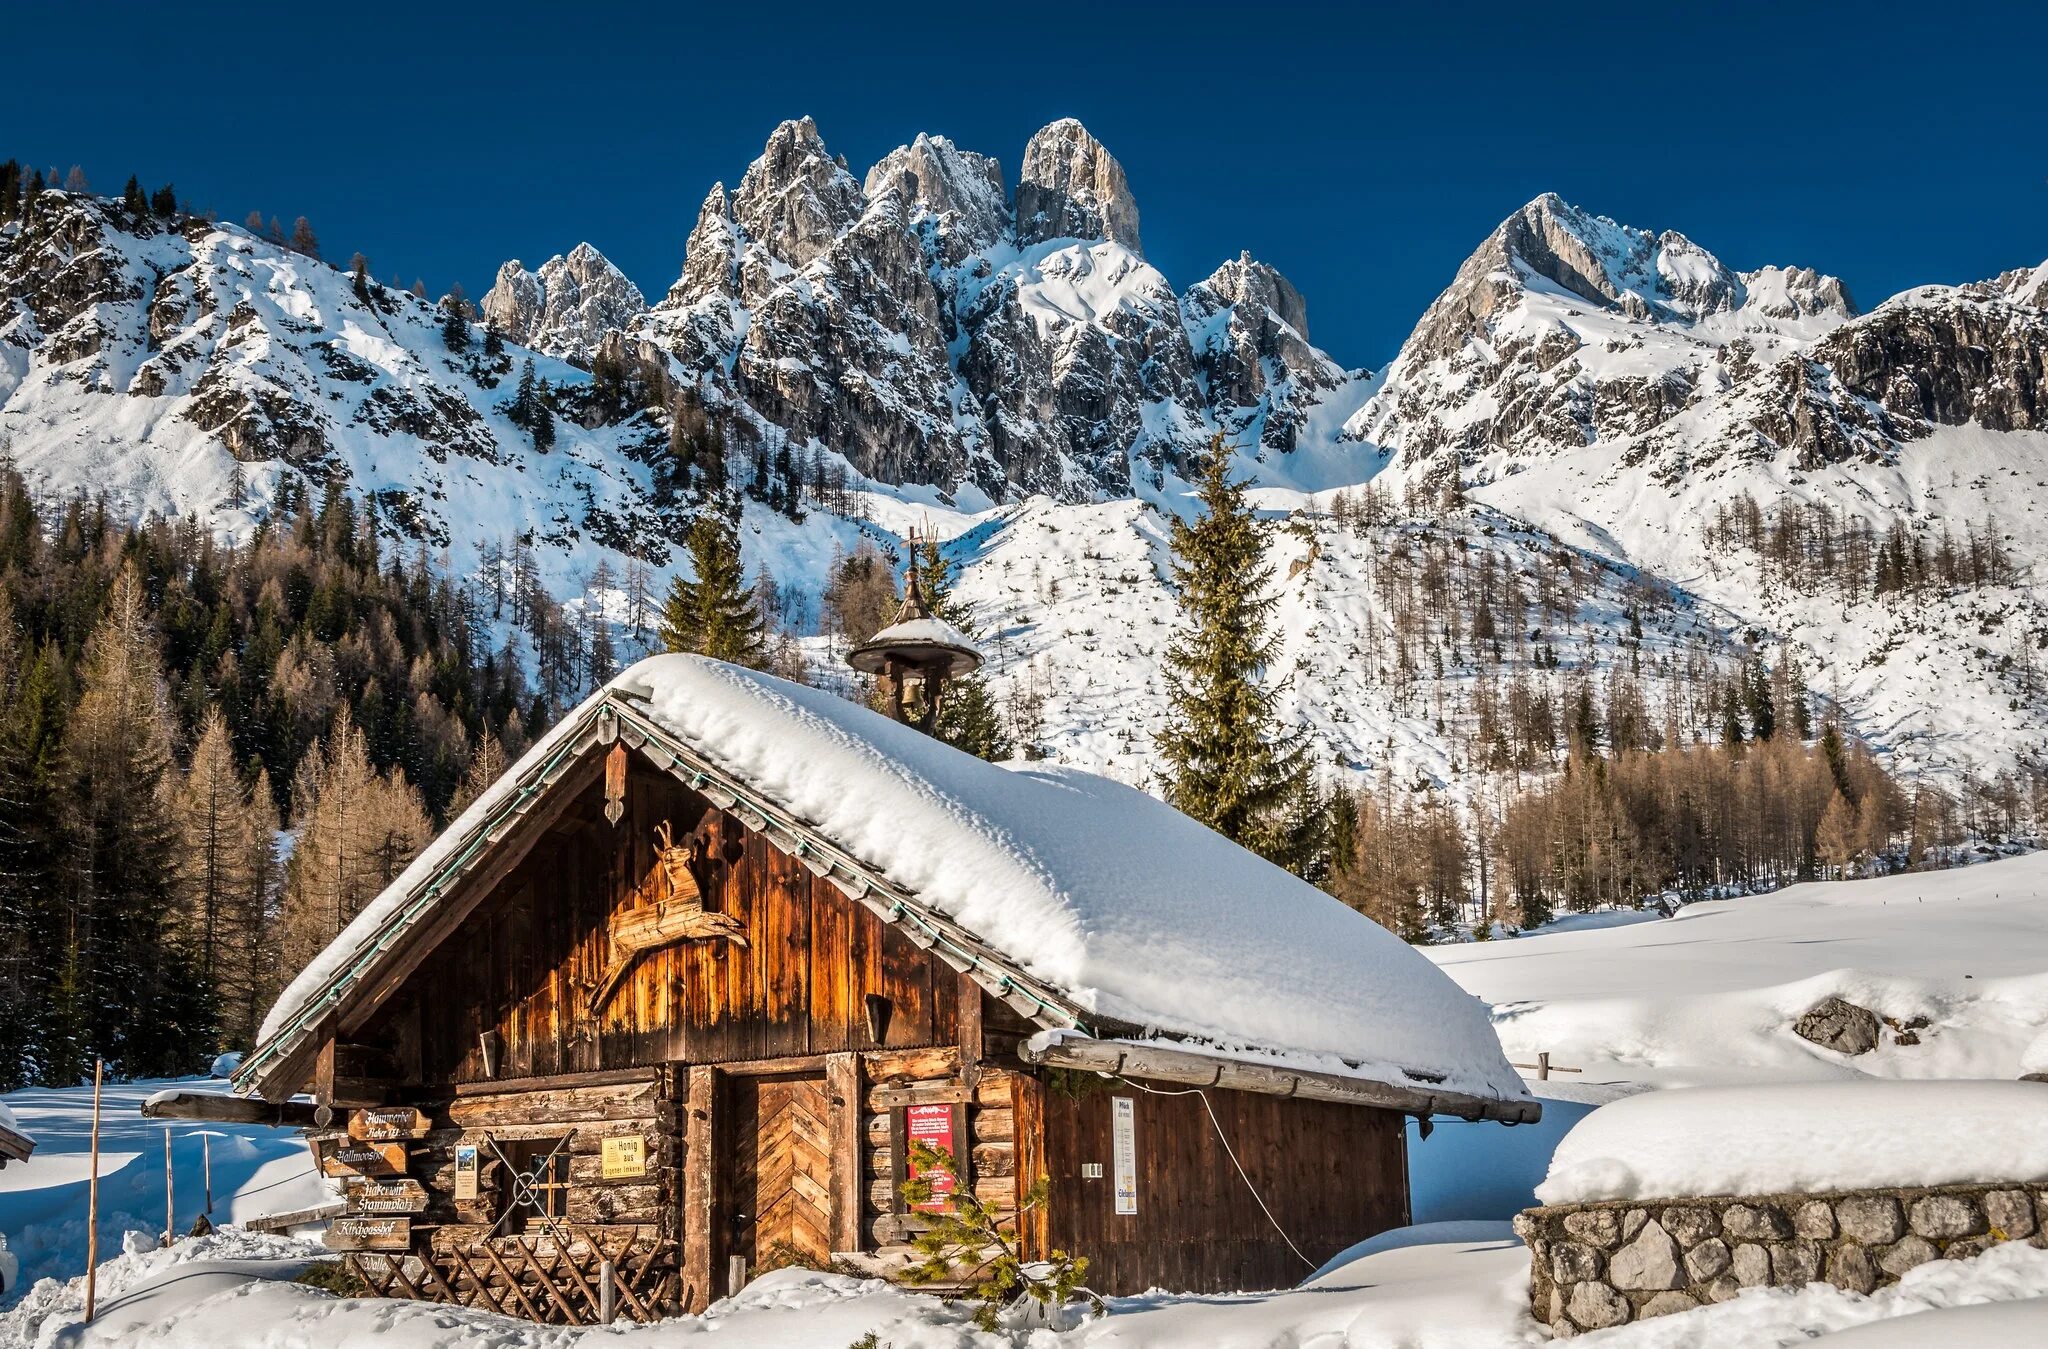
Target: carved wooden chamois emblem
(673, 913)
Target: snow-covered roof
(1804, 1137)
(922, 631)
(15, 1145)
(1085, 902)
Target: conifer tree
(486, 766)
(455, 319)
(130, 990)
(359, 276)
(1228, 763)
(75, 181)
(10, 190)
(253, 222)
(713, 614)
(227, 862)
(164, 201)
(132, 199)
(303, 239)
(494, 342)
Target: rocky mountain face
(1565, 329)
(921, 326)
(567, 307)
(188, 367)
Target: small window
(539, 1189)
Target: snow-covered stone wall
(1594, 1265)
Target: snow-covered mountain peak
(957, 192)
(1071, 187)
(566, 307)
(794, 200)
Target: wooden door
(778, 1188)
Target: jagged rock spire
(1071, 187)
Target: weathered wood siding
(1332, 1174)
(523, 964)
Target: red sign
(932, 1125)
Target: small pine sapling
(969, 1238)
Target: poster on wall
(931, 1125)
(1124, 1152)
(466, 1170)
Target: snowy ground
(1703, 998)
(1709, 996)
(256, 1171)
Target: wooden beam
(1160, 1063)
(700, 1170)
(842, 1084)
(218, 1108)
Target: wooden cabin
(664, 1009)
(15, 1146)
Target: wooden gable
(518, 976)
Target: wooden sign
(380, 1124)
(624, 1157)
(346, 1157)
(403, 1195)
(468, 1172)
(369, 1234)
(933, 1126)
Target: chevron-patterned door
(779, 1188)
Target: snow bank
(1709, 997)
(1803, 1137)
(1123, 904)
(1457, 1292)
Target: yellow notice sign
(625, 1157)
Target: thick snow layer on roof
(1803, 1137)
(7, 1120)
(936, 631)
(1127, 906)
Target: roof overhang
(1155, 1061)
(14, 1146)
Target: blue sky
(1364, 150)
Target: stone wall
(1603, 1264)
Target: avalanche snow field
(1709, 996)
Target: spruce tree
(359, 276)
(132, 200)
(10, 190)
(714, 614)
(1228, 763)
(164, 201)
(455, 319)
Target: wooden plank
(298, 1217)
(918, 1093)
(554, 1082)
(369, 1234)
(1027, 1151)
(216, 1108)
(969, 994)
(634, 1099)
(699, 1187)
(894, 1066)
(842, 1081)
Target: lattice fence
(536, 1277)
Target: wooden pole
(607, 1293)
(170, 1207)
(92, 1198)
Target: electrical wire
(1231, 1153)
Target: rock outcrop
(1072, 188)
